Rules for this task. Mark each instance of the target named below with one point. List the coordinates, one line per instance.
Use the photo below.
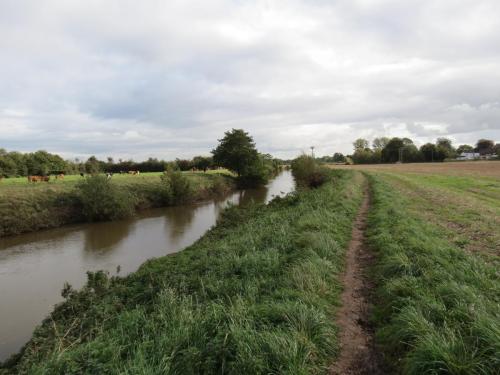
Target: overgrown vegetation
(100, 199)
(26, 208)
(254, 295)
(437, 305)
(308, 172)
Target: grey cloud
(167, 79)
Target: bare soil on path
(357, 349)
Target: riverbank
(256, 294)
(27, 208)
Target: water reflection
(34, 266)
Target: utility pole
(312, 151)
(401, 154)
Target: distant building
(469, 156)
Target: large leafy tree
(485, 146)
(236, 152)
(390, 153)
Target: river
(35, 266)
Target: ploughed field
(261, 291)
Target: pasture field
(257, 294)
(27, 206)
(435, 231)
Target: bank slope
(257, 294)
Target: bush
(101, 200)
(176, 188)
(308, 173)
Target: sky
(155, 78)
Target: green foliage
(464, 148)
(437, 310)
(307, 172)
(236, 152)
(253, 298)
(176, 188)
(101, 200)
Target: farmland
(435, 233)
(268, 290)
(27, 206)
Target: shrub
(101, 200)
(307, 172)
(176, 188)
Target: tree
(338, 158)
(92, 165)
(236, 152)
(360, 144)
(496, 149)
(202, 162)
(390, 153)
(464, 148)
(445, 147)
(484, 146)
(380, 143)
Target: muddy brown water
(35, 266)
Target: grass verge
(256, 294)
(27, 208)
(438, 305)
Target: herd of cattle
(60, 176)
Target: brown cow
(60, 176)
(134, 172)
(38, 178)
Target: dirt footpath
(357, 351)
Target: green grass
(26, 207)
(257, 294)
(438, 305)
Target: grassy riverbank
(438, 292)
(28, 207)
(257, 294)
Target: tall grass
(438, 308)
(256, 297)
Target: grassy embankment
(26, 207)
(437, 243)
(255, 295)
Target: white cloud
(166, 79)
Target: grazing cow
(134, 172)
(38, 178)
(109, 175)
(60, 176)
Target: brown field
(466, 168)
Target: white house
(469, 156)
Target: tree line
(236, 151)
(392, 150)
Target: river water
(34, 266)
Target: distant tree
(496, 149)
(380, 143)
(184, 164)
(92, 165)
(202, 162)
(407, 141)
(390, 153)
(445, 147)
(360, 144)
(485, 146)
(236, 152)
(363, 156)
(464, 148)
(338, 158)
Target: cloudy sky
(166, 78)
